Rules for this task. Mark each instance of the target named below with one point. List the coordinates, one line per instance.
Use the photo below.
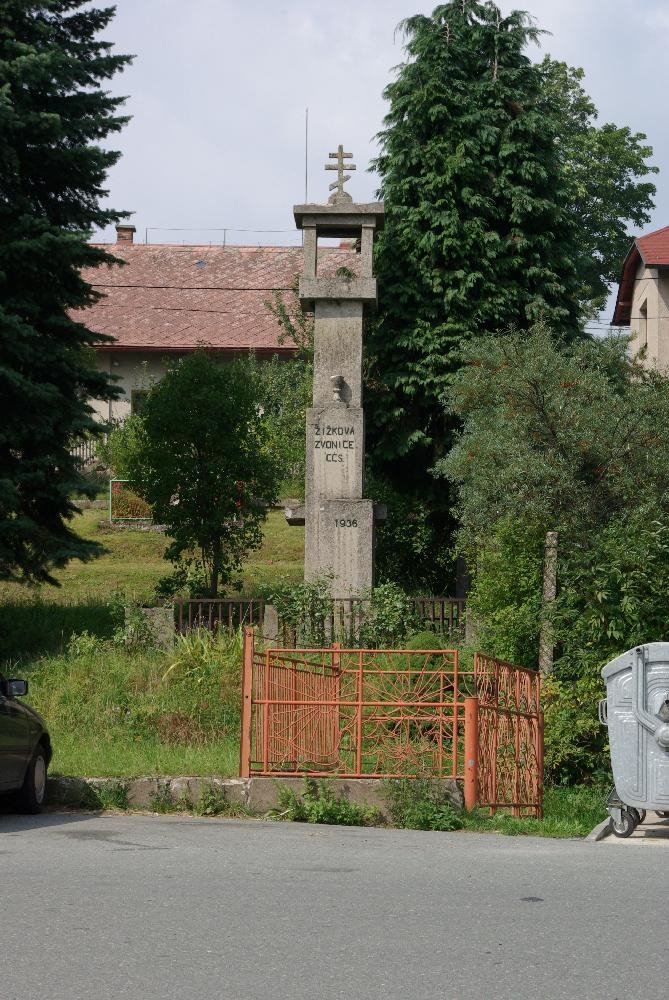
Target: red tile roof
(653, 250)
(174, 298)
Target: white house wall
(132, 370)
(651, 288)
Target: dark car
(25, 747)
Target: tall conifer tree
(476, 238)
(53, 115)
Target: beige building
(167, 300)
(643, 297)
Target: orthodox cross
(339, 194)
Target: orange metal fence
(384, 713)
(510, 736)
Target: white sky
(218, 92)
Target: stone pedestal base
(340, 542)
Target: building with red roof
(643, 296)
(167, 300)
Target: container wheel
(640, 813)
(626, 826)
(662, 813)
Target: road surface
(101, 907)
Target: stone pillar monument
(339, 521)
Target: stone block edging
(255, 795)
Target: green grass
(134, 563)
(568, 812)
(117, 713)
(109, 711)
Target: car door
(14, 743)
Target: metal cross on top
(339, 194)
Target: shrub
(305, 609)
(388, 617)
(122, 444)
(319, 804)
(112, 795)
(420, 804)
(162, 800)
(212, 802)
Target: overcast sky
(218, 92)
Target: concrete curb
(250, 796)
(600, 832)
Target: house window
(137, 398)
(643, 324)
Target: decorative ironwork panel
(510, 758)
(356, 712)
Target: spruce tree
(477, 238)
(53, 116)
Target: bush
(576, 745)
(420, 804)
(304, 611)
(123, 442)
(319, 804)
(388, 617)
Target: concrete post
(338, 519)
(471, 752)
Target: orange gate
(510, 736)
(364, 713)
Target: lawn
(118, 712)
(109, 710)
(134, 563)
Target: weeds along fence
(344, 623)
(362, 713)
(217, 613)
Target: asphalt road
(166, 907)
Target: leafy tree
(476, 237)
(203, 465)
(554, 437)
(603, 167)
(53, 116)
(285, 388)
(406, 548)
(296, 324)
(567, 439)
(506, 203)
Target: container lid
(656, 652)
